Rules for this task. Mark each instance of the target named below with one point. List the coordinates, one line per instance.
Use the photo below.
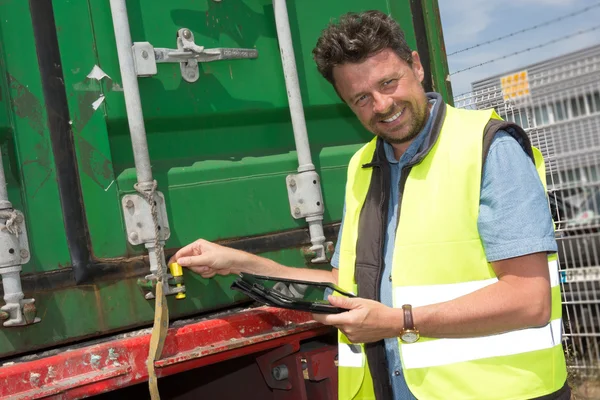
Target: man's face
(386, 95)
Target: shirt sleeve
(514, 215)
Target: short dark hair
(356, 37)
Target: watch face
(409, 337)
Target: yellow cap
(176, 270)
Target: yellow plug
(176, 271)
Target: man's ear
(417, 67)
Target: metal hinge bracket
(14, 248)
(304, 200)
(138, 219)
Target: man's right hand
(209, 259)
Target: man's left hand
(365, 321)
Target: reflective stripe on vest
(438, 256)
(447, 351)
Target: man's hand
(366, 321)
(209, 259)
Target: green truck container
(213, 128)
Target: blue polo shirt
(514, 217)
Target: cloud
(479, 19)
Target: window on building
(578, 106)
(520, 118)
(541, 115)
(560, 110)
(593, 100)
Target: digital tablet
(311, 297)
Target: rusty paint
(99, 306)
(29, 312)
(84, 102)
(27, 106)
(94, 164)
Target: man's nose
(382, 104)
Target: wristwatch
(408, 334)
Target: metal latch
(188, 54)
(14, 248)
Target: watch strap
(408, 317)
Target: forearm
(496, 308)
(254, 264)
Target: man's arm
(520, 299)
(516, 230)
(209, 259)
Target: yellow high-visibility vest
(439, 256)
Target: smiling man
(446, 236)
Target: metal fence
(560, 109)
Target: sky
(466, 23)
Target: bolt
(280, 372)
(191, 75)
(292, 183)
(133, 236)
(129, 203)
(24, 253)
(187, 34)
(144, 54)
(296, 211)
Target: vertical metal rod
(288, 60)
(284, 36)
(131, 89)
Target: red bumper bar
(120, 361)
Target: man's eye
(387, 83)
(362, 99)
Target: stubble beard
(417, 123)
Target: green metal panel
(220, 147)
(27, 154)
(439, 62)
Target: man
(446, 236)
